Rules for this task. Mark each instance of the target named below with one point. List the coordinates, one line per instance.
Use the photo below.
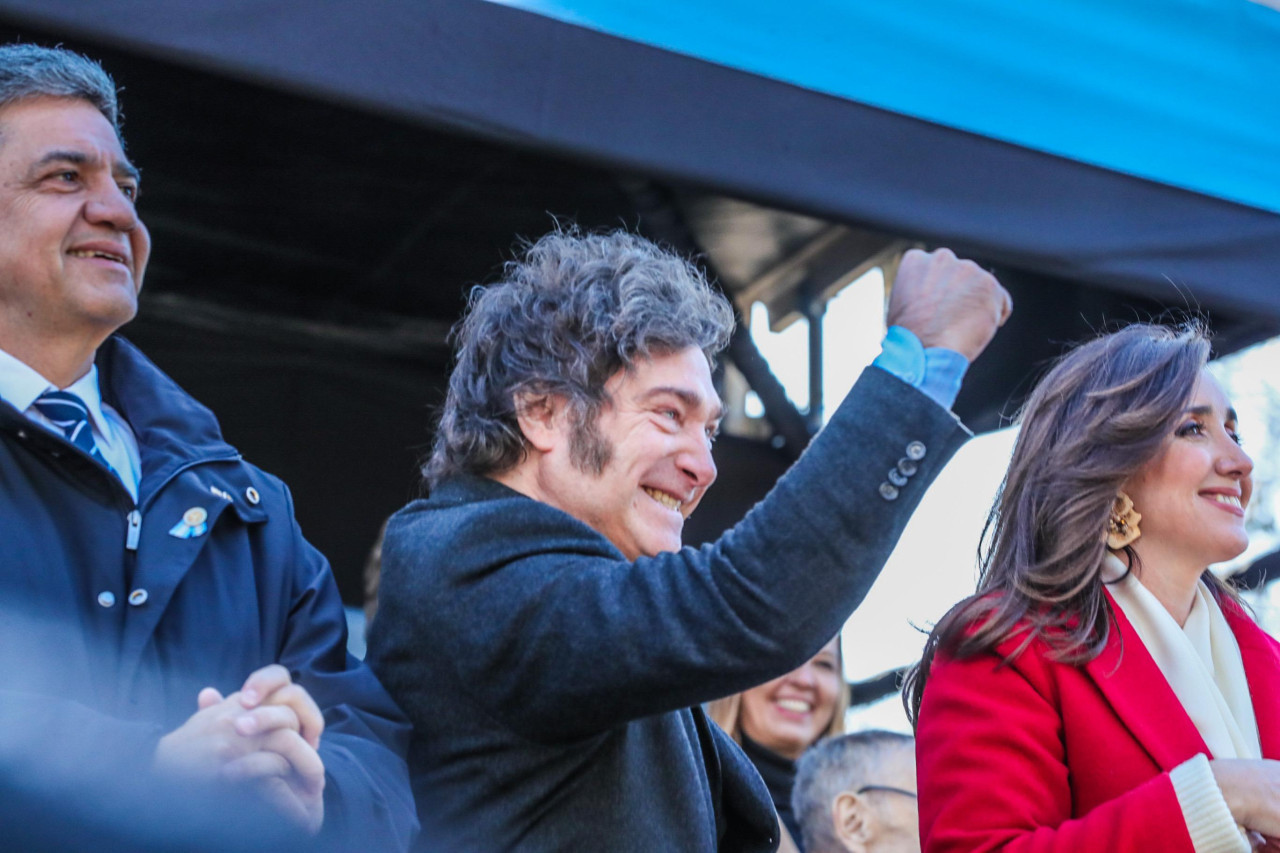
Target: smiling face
(789, 714)
(1192, 496)
(653, 436)
(72, 249)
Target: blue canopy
(1130, 145)
(1184, 92)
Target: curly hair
(569, 312)
(1098, 417)
(31, 71)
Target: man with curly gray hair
(547, 332)
(541, 624)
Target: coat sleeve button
(907, 466)
(896, 477)
(106, 598)
(916, 450)
(888, 491)
(138, 597)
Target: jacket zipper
(134, 519)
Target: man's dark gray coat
(554, 686)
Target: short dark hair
(569, 312)
(843, 763)
(31, 71)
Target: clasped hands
(265, 735)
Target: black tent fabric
(503, 73)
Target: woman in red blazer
(1102, 691)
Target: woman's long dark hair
(1099, 415)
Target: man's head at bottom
(583, 380)
(857, 793)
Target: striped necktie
(69, 413)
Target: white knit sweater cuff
(1209, 821)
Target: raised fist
(948, 302)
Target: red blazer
(1043, 756)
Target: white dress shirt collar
(21, 385)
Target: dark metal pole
(660, 220)
(814, 311)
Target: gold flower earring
(1122, 527)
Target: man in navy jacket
(161, 610)
(541, 625)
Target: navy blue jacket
(187, 612)
(554, 685)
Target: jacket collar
(1137, 691)
(1261, 658)
(464, 488)
(172, 429)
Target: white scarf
(1201, 661)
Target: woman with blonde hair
(1102, 690)
(777, 721)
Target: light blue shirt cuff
(936, 371)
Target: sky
(935, 563)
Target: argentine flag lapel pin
(192, 524)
